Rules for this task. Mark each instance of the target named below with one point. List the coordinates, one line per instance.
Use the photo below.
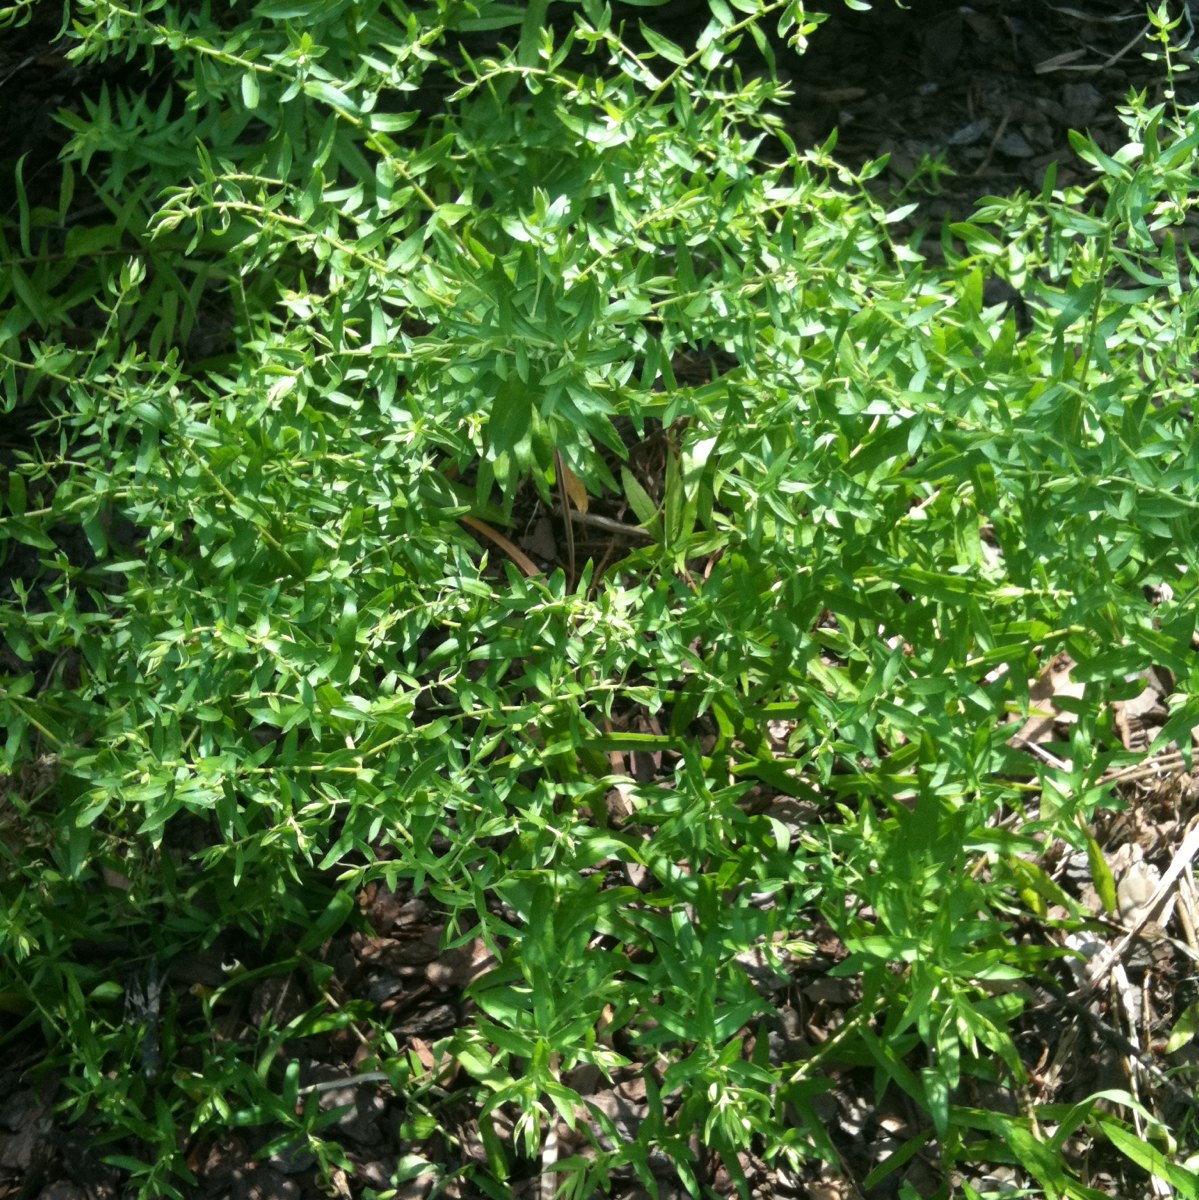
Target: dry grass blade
(522, 560)
(564, 491)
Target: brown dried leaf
(115, 879)
(575, 488)
(381, 907)
(441, 1068)
(424, 1052)
(461, 966)
(1133, 717)
(1054, 682)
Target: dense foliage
(330, 286)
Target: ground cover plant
(323, 307)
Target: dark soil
(978, 100)
(988, 89)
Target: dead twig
(634, 532)
(1061, 62)
(986, 162)
(1144, 770)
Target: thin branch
(619, 528)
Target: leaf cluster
(325, 282)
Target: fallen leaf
(1053, 683)
(575, 489)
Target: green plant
(357, 281)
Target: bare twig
(1061, 62)
(349, 1081)
(619, 528)
(986, 162)
(1146, 769)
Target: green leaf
(22, 207)
(663, 46)
(334, 96)
(17, 494)
(1149, 1158)
(249, 89)
(1184, 1029)
(1035, 1156)
(340, 906)
(38, 305)
(1087, 148)
(391, 122)
(1101, 874)
(531, 32)
(509, 427)
(24, 532)
(481, 1065)
(347, 625)
(896, 1159)
(1038, 890)
(639, 500)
